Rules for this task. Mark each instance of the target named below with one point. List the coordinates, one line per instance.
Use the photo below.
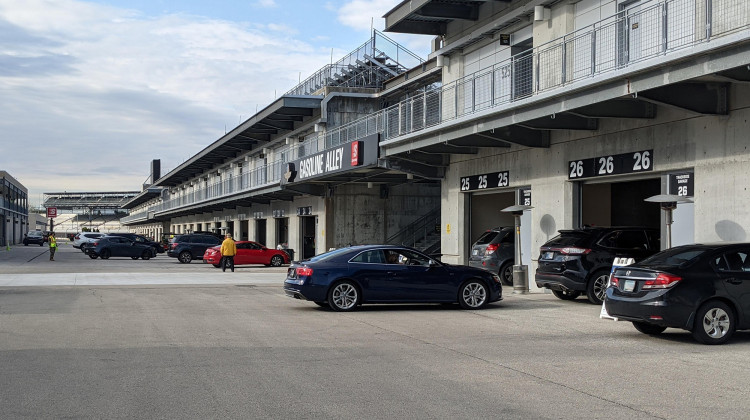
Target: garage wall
(716, 147)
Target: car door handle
(733, 280)
(391, 273)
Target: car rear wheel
(566, 294)
(146, 255)
(42, 244)
(185, 257)
(133, 258)
(343, 296)
(649, 329)
(473, 294)
(105, 254)
(92, 255)
(506, 273)
(714, 323)
(276, 261)
(597, 287)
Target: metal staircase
(423, 234)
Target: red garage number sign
(51, 212)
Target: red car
(248, 252)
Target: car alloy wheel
(105, 254)
(146, 255)
(596, 289)
(276, 261)
(185, 257)
(714, 323)
(343, 296)
(473, 295)
(506, 274)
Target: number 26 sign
(624, 163)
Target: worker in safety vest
(52, 246)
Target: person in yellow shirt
(228, 251)
(52, 246)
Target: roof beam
(517, 134)
(618, 108)
(564, 121)
(449, 11)
(703, 98)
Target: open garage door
(620, 203)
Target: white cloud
(359, 14)
(88, 83)
(266, 3)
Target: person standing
(52, 246)
(228, 251)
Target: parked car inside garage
(580, 260)
(494, 251)
(702, 288)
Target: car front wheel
(105, 254)
(473, 295)
(596, 288)
(185, 257)
(146, 255)
(343, 296)
(714, 323)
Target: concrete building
(86, 211)
(14, 210)
(594, 106)
(581, 109)
(299, 174)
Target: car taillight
(662, 281)
(304, 271)
(614, 281)
(574, 251)
(174, 245)
(490, 249)
(96, 243)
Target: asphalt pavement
(204, 348)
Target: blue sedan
(347, 277)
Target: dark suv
(580, 261)
(494, 251)
(141, 240)
(191, 246)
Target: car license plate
(628, 286)
(549, 255)
(475, 252)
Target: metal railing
(418, 230)
(652, 30)
(369, 65)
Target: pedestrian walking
(52, 246)
(228, 251)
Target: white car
(85, 237)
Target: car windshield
(675, 256)
(328, 255)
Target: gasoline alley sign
(347, 156)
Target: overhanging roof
(431, 17)
(148, 194)
(261, 128)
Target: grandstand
(93, 211)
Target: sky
(92, 91)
